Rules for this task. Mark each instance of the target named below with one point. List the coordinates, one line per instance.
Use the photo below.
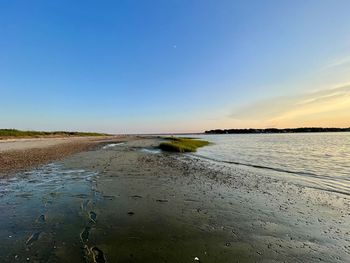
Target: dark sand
(126, 204)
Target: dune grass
(13, 133)
(176, 144)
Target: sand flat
(26, 153)
(149, 206)
(28, 143)
(23, 144)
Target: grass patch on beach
(181, 145)
(13, 133)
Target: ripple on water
(317, 159)
(151, 150)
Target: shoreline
(146, 207)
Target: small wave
(151, 150)
(324, 179)
(257, 166)
(112, 145)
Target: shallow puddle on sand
(151, 150)
(55, 214)
(41, 211)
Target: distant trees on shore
(13, 133)
(275, 130)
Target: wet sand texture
(123, 204)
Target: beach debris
(136, 196)
(196, 259)
(84, 235)
(92, 216)
(97, 255)
(34, 237)
(191, 200)
(162, 200)
(131, 213)
(109, 197)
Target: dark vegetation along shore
(13, 133)
(275, 130)
(176, 144)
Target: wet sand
(126, 204)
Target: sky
(174, 66)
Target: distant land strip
(13, 133)
(275, 130)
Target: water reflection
(318, 158)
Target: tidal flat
(132, 203)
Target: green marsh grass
(176, 144)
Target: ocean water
(320, 159)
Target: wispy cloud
(339, 62)
(330, 107)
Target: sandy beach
(127, 202)
(26, 153)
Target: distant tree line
(275, 130)
(18, 133)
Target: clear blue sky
(171, 66)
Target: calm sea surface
(321, 159)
